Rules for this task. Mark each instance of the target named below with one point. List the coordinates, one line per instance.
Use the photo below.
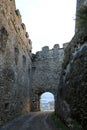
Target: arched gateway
(46, 69)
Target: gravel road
(32, 121)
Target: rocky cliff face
(72, 92)
(15, 62)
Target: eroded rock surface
(72, 91)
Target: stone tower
(80, 4)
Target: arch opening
(47, 102)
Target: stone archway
(46, 70)
(36, 96)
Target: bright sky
(47, 96)
(48, 22)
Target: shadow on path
(32, 121)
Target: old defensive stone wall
(22, 81)
(46, 69)
(15, 62)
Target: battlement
(22, 31)
(11, 17)
(54, 52)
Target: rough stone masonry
(24, 77)
(46, 69)
(15, 62)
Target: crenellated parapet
(11, 17)
(49, 53)
(46, 70)
(21, 30)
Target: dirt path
(32, 121)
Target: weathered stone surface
(22, 81)
(46, 69)
(80, 5)
(15, 63)
(73, 83)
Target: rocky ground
(32, 121)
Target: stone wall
(22, 81)
(15, 62)
(80, 5)
(46, 69)
(72, 91)
(71, 101)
